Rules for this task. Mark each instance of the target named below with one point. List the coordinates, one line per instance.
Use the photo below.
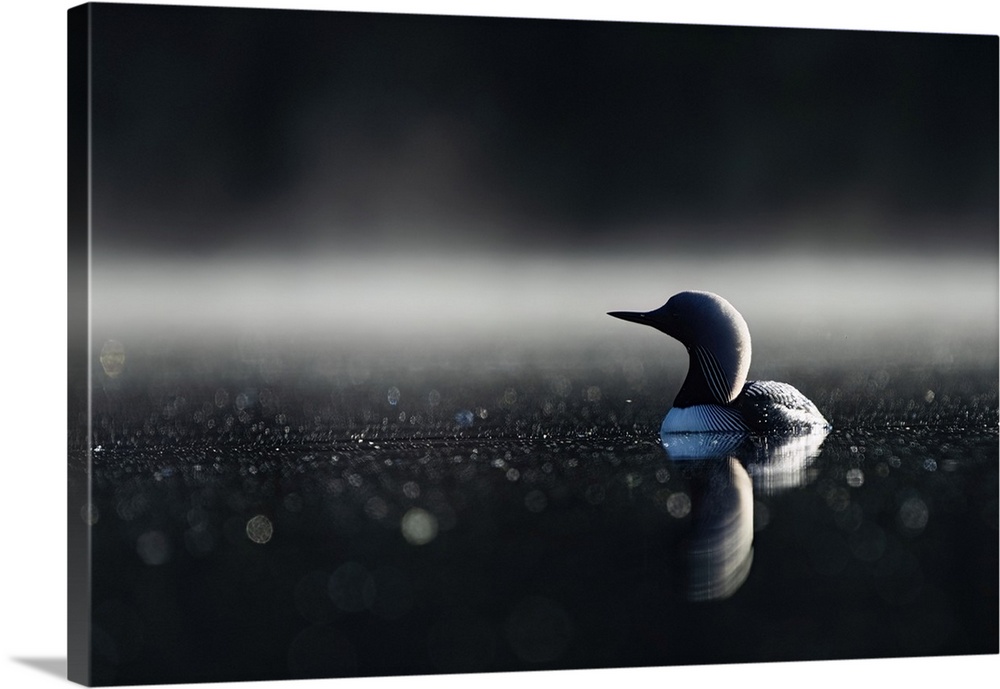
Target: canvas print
(412, 344)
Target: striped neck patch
(713, 373)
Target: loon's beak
(632, 317)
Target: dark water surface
(259, 524)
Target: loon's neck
(708, 380)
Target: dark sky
(293, 129)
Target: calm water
(263, 521)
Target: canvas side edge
(78, 346)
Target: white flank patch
(702, 418)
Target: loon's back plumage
(716, 395)
(770, 406)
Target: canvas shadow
(50, 666)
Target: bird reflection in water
(720, 550)
(725, 470)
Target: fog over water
(389, 300)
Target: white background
(32, 452)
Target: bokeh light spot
(913, 514)
(153, 548)
(351, 587)
(260, 529)
(90, 514)
(535, 501)
(679, 505)
(855, 478)
(113, 358)
(538, 630)
(509, 398)
(419, 526)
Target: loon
(716, 395)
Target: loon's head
(710, 328)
